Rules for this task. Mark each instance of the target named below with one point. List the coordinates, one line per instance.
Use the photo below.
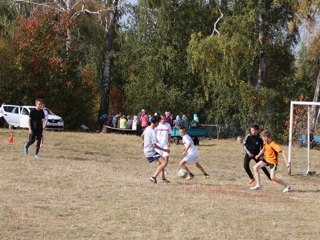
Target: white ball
(182, 173)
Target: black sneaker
(164, 180)
(153, 180)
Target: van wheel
(176, 140)
(195, 140)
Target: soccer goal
(304, 136)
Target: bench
(194, 133)
(302, 140)
(108, 129)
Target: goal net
(304, 137)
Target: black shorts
(156, 156)
(271, 166)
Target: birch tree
(105, 15)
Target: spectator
(109, 121)
(115, 120)
(123, 122)
(168, 117)
(134, 122)
(129, 122)
(195, 122)
(144, 120)
(176, 122)
(139, 132)
(184, 122)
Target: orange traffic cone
(10, 140)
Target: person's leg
(166, 159)
(162, 165)
(39, 137)
(256, 169)
(265, 170)
(32, 138)
(275, 179)
(201, 169)
(246, 165)
(183, 164)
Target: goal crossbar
(309, 104)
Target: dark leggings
(32, 138)
(246, 165)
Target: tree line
(234, 63)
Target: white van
(18, 116)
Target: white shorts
(163, 153)
(191, 159)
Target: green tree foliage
(44, 68)
(228, 64)
(153, 55)
(171, 61)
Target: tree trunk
(262, 70)
(263, 39)
(107, 53)
(315, 99)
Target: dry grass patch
(95, 186)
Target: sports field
(96, 186)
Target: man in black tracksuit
(36, 126)
(252, 146)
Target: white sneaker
(256, 187)
(287, 189)
(36, 157)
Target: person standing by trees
(144, 120)
(36, 123)
(252, 145)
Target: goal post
(309, 105)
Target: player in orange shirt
(271, 151)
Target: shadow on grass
(206, 145)
(300, 175)
(306, 191)
(196, 184)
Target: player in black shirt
(252, 146)
(36, 124)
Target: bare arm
(285, 158)
(260, 153)
(44, 123)
(30, 123)
(160, 148)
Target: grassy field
(95, 186)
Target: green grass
(95, 186)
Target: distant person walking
(36, 123)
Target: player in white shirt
(163, 131)
(150, 145)
(191, 154)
